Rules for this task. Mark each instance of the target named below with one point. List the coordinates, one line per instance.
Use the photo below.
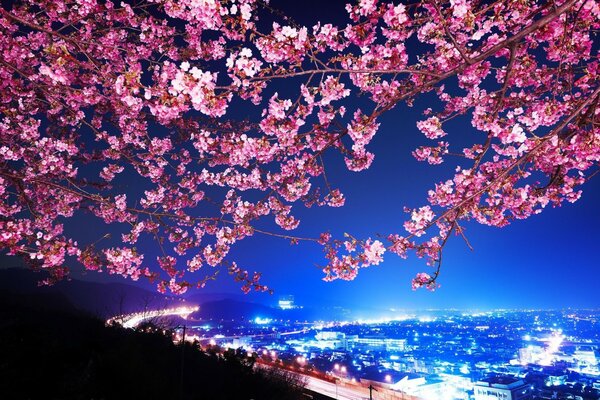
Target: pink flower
(516, 135)
(431, 128)
(423, 279)
(373, 252)
(419, 220)
(121, 202)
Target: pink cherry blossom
(201, 123)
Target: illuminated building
(328, 335)
(393, 380)
(379, 342)
(501, 387)
(241, 341)
(431, 389)
(587, 360)
(531, 354)
(286, 302)
(555, 376)
(324, 340)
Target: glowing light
(134, 319)
(388, 378)
(262, 321)
(554, 343)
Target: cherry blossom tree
(95, 94)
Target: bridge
(134, 319)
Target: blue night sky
(548, 261)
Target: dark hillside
(50, 351)
(100, 299)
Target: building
(393, 380)
(586, 358)
(323, 340)
(286, 302)
(501, 387)
(329, 335)
(332, 340)
(531, 354)
(378, 343)
(431, 389)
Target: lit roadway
(326, 388)
(134, 319)
(259, 335)
(329, 389)
(332, 390)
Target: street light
(371, 388)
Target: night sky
(548, 261)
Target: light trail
(342, 389)
(134, 319)
(332, 390)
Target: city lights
(429, 358)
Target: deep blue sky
(548, 261)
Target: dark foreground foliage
(50, 352)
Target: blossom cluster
(167, 121)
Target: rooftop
(501, 382)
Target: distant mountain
(202, 297)
(109, 299)
(100, 299)
(229, 309)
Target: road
(134, 319)
(335, 391)
(332, 390)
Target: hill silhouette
(101, 299)
(228, 309)
(49, 350)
